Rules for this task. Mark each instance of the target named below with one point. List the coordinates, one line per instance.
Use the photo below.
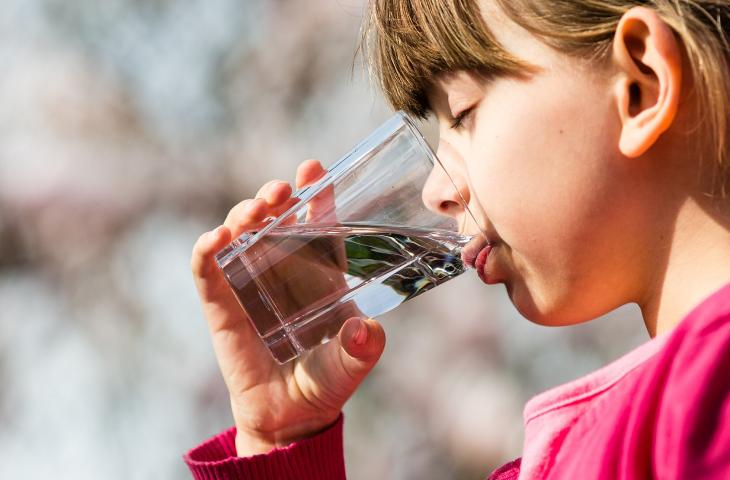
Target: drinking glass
(359, 242)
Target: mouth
(473, 249)
(476, 255)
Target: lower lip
(481, 262)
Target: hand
(274, 405)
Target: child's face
(538, 163)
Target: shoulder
(697, 352)
(692, 431)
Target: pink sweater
(661, 411)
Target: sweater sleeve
(317, 458)
(509, 471)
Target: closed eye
(460, 117)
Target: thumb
(362, 342)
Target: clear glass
(359, 242)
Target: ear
(647, 89)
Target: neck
(697, 264)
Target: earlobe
(647, 89)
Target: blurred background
(128, 128)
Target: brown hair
(408, 42)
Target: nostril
(448, 206)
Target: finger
(332, 372)
(247, 215)
(239, 350)
(208, 279)
(222, 311)
(308, 172)
(275, 192)
(345, 360)
(321, 208)
(291, 219)
(362, 342)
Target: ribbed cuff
(510, 471)
(317, 458)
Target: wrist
(248, 443)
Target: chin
(545, 309)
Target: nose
(440, 194)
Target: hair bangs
(407, 43)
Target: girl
(589, 137)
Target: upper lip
(471, 250)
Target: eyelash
(459, 119)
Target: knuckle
(238, 210)
(199, 252)
(197, 247)
(241, 205)
(266, 187)
(257, 205)
(195, 265)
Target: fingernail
(361, 334)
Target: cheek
(540, 167)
